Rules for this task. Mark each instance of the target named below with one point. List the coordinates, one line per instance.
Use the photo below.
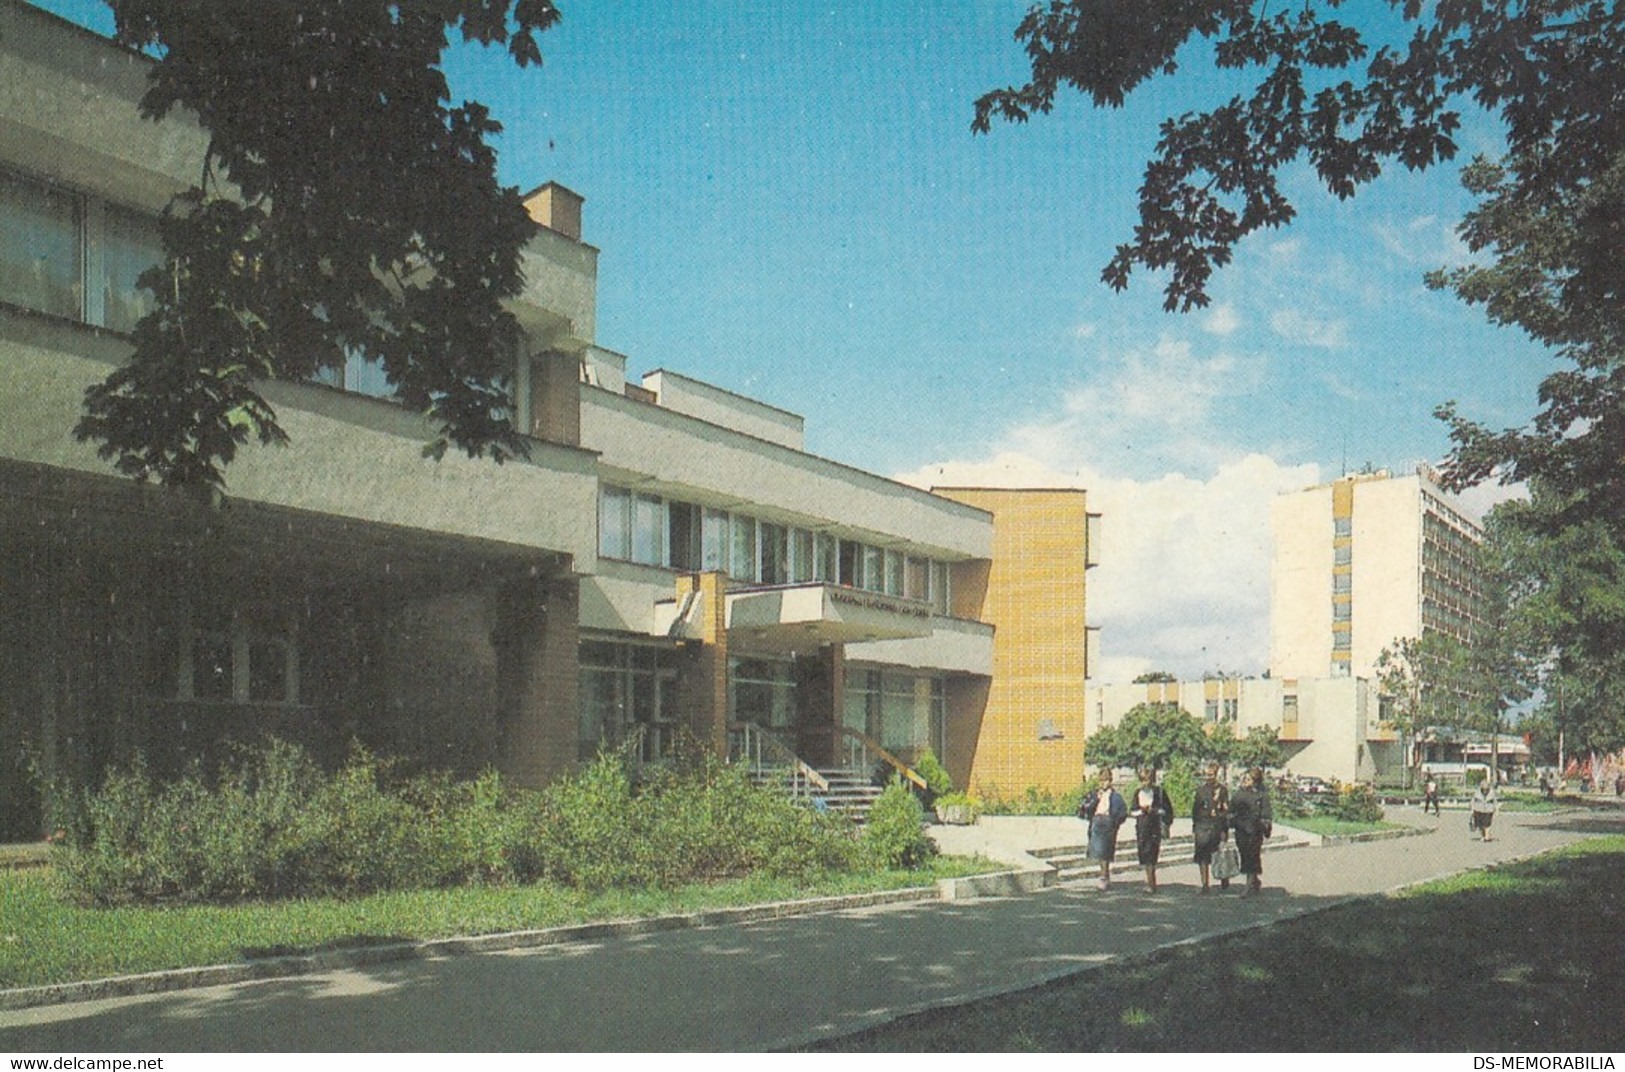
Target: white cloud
(1294, 325)
(1147, 411)
(1183, 581)
(1424, 240)
(1085, 330)
(1222, 320)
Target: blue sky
(790, 204)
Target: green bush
(1356, 803)
(273, 824)
(1180, 783)
(937, 780)
(894, 835)
(1032, 801)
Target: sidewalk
(764, 985)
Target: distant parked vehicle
(1309, 785)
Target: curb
(1377, 835)
(282, 967)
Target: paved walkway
(765, 985)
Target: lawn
(1525, 957)
(44, 939)
(1328, 826)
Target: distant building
(1327, 726)
(1362, 561)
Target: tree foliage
(1261, 748)
(1150, 735)
(345, 206)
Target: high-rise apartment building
(1362, 561)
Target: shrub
(1032, 801)
(1180, 783)
(937, 780)
(894, 835)
(1356, 803)
(973, 805)
(273, 824)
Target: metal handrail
(873, 746)
(756, 741)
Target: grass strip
(46, 939)
(1525, 957)
(1330, 826)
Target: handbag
(1226, 862)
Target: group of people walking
(1216, 814)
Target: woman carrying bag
(1253, 823)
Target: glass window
(648, 530)
(1342, 610)
(1210, 710)
(614, 522)
(714, 540)
(874, 569)
(1289, 709)
(601, 708)
(130, 245)
(803, 560)
(894, 573)
(41, 264)
(940, 592)
(761, 691)
(826, 552)
(1342, 526)
(916, 579)
(775, 554)
(1343, 554)
(268, 671)
(1342, 582)
(744, 548)
(212, 674)
(683, 535)
(1232, 709)
(851, 564)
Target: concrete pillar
(540, 652)
(702, 682)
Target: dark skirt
(1209, 835)
(1147, 839)
(1102, 838)
(1483, 819)
(1251, 848)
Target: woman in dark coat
(1152, 812)
(1253, 823)
(1103, 809)
(1210, 822)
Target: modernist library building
(668, 564)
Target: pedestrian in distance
(1104, 810)
(1153, 814)
(1545, 786)
(1430, 794)
(1210, 822)
(1253, 823)
(1483, 805)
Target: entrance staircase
(848, 789)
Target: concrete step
(1072, 862)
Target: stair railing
(863, 751)
(763, 752)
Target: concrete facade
(1328, 726)
(668, 564)
(1361, 562)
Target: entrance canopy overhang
(799, 617)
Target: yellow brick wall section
(1035, 600)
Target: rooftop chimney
(558, 208)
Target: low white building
(1329, 726)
